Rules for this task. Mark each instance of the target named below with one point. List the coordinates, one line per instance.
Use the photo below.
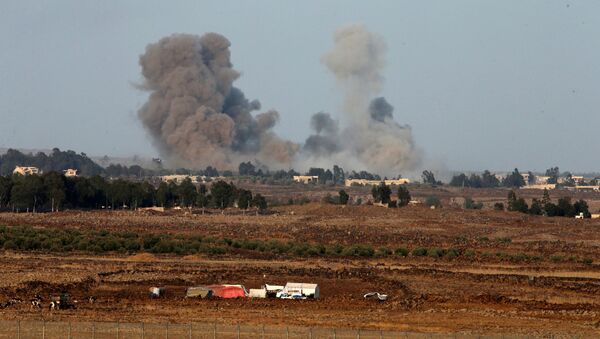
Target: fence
(111, 330)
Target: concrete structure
(541, 179)
(595, 216)
(179, 178)
(307, 290)
(70, 172)
(306, 179)
(365, 182)
(26, 170)
(540, 187)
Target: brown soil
(481, 294)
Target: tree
(27, 192)
(536, 208)
(260, 202)
(381, 193)
(343, 197)
(54, 185)
(516, 204)
(222, 194)
(515, 179)
(459, 180)
(211, 172)
(552, 173)
(5, 187)
(403, 196)
(489, 180)
(434, 201)
(471, 204)
(429, 178)
(164, 195)
(564, 207)
(244, 199)
(246, 168)
(580, 207)
(338, 175)
(186, 193)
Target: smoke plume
(370, 138)
(194, 114)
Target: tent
(307, 290)
(198, 292)
(227, 292)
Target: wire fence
(114, 330)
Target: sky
(484, 84)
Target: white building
(26, 170)
(307, 290)
(70, 172)
(306, 179)
(365, 182)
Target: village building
(365, 182)
(306, 179)
(26, 170)
(70, 172)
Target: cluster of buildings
(195, 179)
(30, 170)
(308, 179)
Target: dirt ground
(555, 294)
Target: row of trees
(382, 194)
(489, 180)
(544, 206)
(53, 191)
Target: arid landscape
(483, 271)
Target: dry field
(524, 274)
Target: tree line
(53, 191)
(544, 206)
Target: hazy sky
(484, 84)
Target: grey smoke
(380, 110)
(326, 139)
(194, 114)
(370, 138)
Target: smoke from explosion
(196, 116)
(370, 139)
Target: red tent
(227, 292)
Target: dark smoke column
(194, 114)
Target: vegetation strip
(26, 238)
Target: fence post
(118, 329)
(358, 334)
(380, 334)
(287, 332)
(93, 330)
(262, 333)
(143, 330)
(69, 330)
(310, 332)
(190, 336)
(43, 329)
(214, 330)
(238, 331)
(18, 329)
(334, 334)
(167, 332)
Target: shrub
(419, 252)
(469, 253)
(432, 200)
(384, 252)
(401, 252)
(499, 206)
(10, 245)
(435, 252)
(587, 261)
(557, 258)
(452, 253)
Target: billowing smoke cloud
(370, 138)
(326, 139)
(196, 116)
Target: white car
(283, 295)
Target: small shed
(257, 293)
(198, 292)
(307, 290)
